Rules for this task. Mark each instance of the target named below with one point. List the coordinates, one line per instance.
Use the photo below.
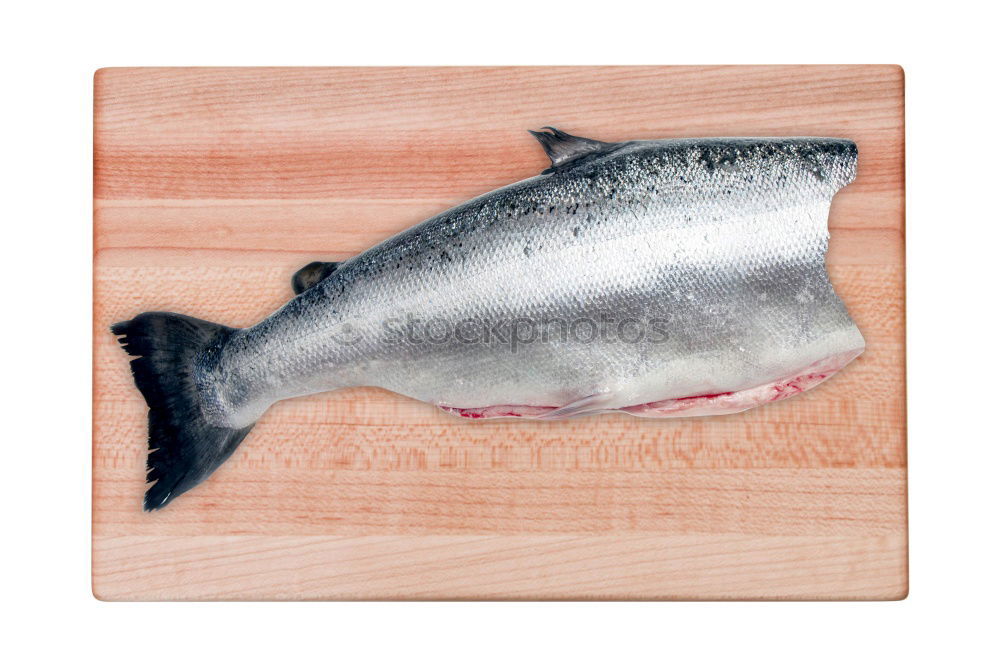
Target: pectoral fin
(311, 274)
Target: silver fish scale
(717, 244)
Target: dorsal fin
(563, 148)
(310, 275)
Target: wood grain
(213, 185)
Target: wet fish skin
(717, 244)
(725, 238)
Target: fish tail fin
(184, 448)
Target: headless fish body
(659, 278)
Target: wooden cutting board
(213, 185)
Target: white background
(49, 55)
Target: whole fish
(659, 278)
